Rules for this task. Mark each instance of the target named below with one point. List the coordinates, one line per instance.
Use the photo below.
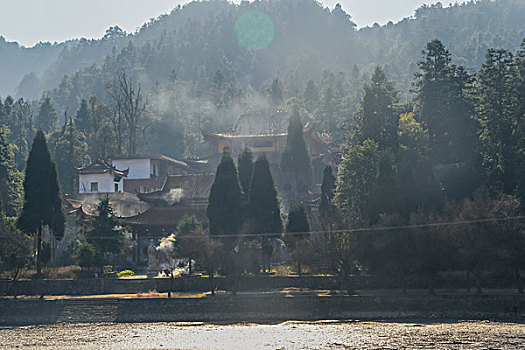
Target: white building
(147, 173)
(100, 177)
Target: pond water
(288, 335)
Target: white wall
(106, 183)
(138, 168)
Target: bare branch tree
(129, 105)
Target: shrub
(125, 273)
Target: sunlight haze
(60, 20)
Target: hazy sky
(31, 21)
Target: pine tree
(82, 118)
(500, 118)
(444, 105)
(295, 158)
(10, 177)
(311, 95)
(326, 205)
(276, 93)
(245, 162)
(224, 204)
(47, 116)
(104, 233)
(70, 149)
(42, 200)
(378, 111)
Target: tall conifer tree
(47, 115)
(444, 105)
(42, 200)
(295, 158)
(378, 113)
(264, 211)
(245, 162)
(104, 234)
(224, 204)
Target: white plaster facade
(138, 168)
(105, 183)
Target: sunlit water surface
(288, 335)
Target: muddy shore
(287, 335)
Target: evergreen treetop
(245, 162)
(378, 113)
(42, 200)
(263, 205)
(224, 203)
(104, 233)
(295, 157)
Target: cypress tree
(298, 221)
(295, 158)
(245, 162)
(224, 204)
(265, 214)
(326, 205)
(327, 188)
(104, 234)
(264, 207)
(297, 229)
(42, 200)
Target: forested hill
(197, 39)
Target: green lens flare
(254, 30)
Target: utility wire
(354, 230)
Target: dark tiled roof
(178, 188)
(262, 123)
(156, 216)
(101, 167)
(257, 123)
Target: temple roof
(178, 188)
(101, 167)
(149, 156)
(156, 216)
(262, 123)
(257, 124)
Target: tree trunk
(518, 280)
(295, 185)
(189, 266)
(300, 272)
(171, 285)
(38, 251)
(212, 287)
(479, 290)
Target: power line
(354, 230)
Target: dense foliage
(42, 199)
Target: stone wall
(199, 284)
(268, 308)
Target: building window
(116, 187)
(94, 187)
